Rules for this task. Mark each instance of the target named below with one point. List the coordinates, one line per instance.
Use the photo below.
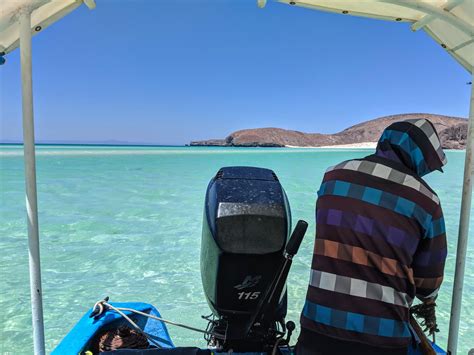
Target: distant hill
(452, 132)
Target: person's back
(380, 241)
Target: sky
(168, 72)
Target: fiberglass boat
(448, 22)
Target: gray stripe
(387, 173)
(359, 288)
(435, 141)
(429, 131)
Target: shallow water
(126, 222)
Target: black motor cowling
(245, 230)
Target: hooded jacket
(380, 240)
(414, 144)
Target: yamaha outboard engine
(245, 258)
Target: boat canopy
(43, 14)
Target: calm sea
(125, 222)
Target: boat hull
(78, 340)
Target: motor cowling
(246, 227)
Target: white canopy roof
(449, 22)
(44, 13)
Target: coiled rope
(122, 338)
(427, 312)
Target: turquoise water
(126, 222)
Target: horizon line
(119, 144)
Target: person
(380, 241)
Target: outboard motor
(245, 258)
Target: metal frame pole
(463, 234)
(30, 180)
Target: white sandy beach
(362, 145)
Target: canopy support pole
(30, 180)
(451, 4)
(463, 233)
(436, 12)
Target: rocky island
(452, 132)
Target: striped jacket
(380, 240)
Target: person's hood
(413, 143)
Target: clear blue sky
(168, 72)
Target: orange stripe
(362, 256)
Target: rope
(275, 347)
(103, 305)
(164, 320)
(427, 312)
(134, 325)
